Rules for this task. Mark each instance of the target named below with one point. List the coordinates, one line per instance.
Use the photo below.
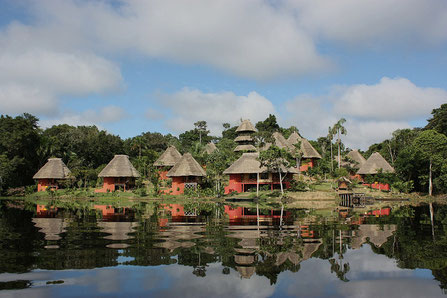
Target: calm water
(203, 250)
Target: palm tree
(339, 129)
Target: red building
(51, 174)
(119, 174)
(186, 173)
(166, 161)
(372, 166)
(244, 174)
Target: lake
(216, 249)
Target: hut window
(264, 176)
(253, 176)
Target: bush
(405, 187)
(298, 185)
(341, 172)
(140, 192)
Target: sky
(135, 66)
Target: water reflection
(262, 247)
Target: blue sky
(135, 66)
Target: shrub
(298, 185)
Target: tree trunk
(280, 182)
(339, 159)
(298, 165)
(257, 185)
(332, 158)
(430, 185)
(432, 221)
(282, 212)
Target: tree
(339, 129)
(201, 128)
(432, 147)
(268, 125)
(330, 137)
(438, 121)
(275, 160)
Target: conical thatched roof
(246, 126)
(281, 141)
(357, 157)
(376, 234)
(373, 163)
(168, 158)
(119, 166)
(246, 272)
(186, 166)
(210, 148)
(249, 164)
(307, 149)
(245, 148)
(243, 139)
(53, 169)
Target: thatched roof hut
(248, 163)
(186, 166)
(210, 148)
(374, 163)
(55, 168)
(246, 126)
(281, 141)
(376, 234)
(245, 148)
(169, 158)
(119, 166)
(357, 157)
(243, 139)
(307, 149)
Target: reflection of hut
(244, 174)
(372, 166)
(118, 174)
(295, 258)
(51, 174)
(186, 173)
(246, 272)
(310, 155)
(244, 137)
(51, 227)
(374, 233)
(179, 235)
(167, 160)
(344, 183)
(210, 148)
(119, 231)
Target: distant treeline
(25, 147)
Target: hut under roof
(48, 176)
(210, 148)
(373, 164)
(119, 173)
(166, 161)
(185, 174)
(308, 150)
(243, 174)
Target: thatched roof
(168, 158)
(246, 126)
(373, 163)
(210, 148)
(281, 142)
(243, 139)
(357, 157)
(248, 163)
(244, 260)
(53, 169)
(307, 149)
(246, 272)
(186, 166)
(245, 148)
(119, 166)
(306, 253)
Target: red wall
(237, 185)
(178, 185)
(305, 166)
(109, 185)
(42, 184)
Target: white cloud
(190, 105)
(390, 99)
(377, 23)
(153, 115)
(372, 112)
(108, 114)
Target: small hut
(310, 155)
(166, 161)
(244, 174)
(244, 137)
(372, 166)
(344, 183)
(186, 173)
(210, 148)
(51, 174)
(354, 161)
(118, 174)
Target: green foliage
(298, 185)
(341, 172)
(269, 125)
(438, 121)
(403, 186)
